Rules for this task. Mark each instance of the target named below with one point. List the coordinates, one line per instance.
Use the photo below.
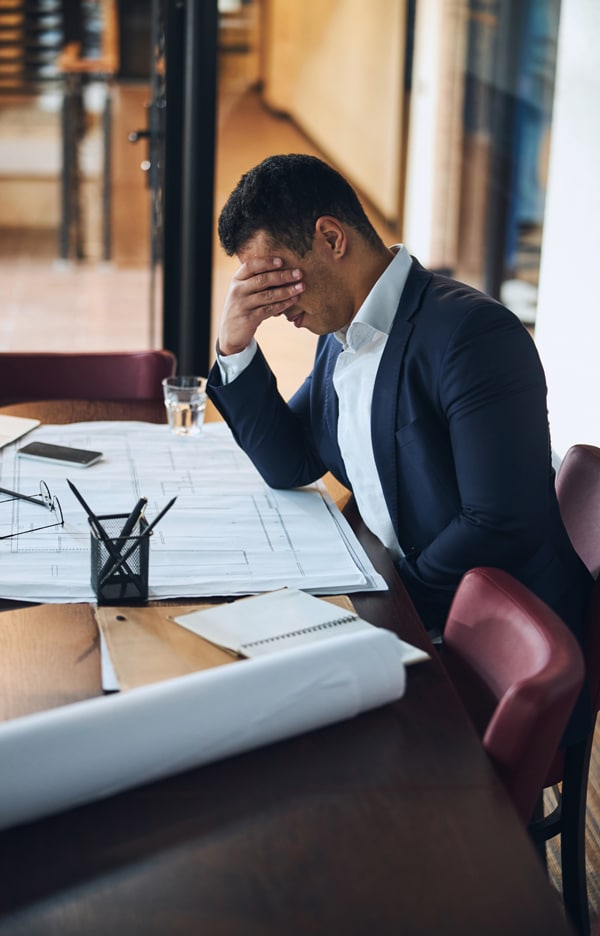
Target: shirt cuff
(232, 365)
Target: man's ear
(330, 237)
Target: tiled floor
(49, 304)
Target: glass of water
(185, 402)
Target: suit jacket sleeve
(275, 435)
(493, 448)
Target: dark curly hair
(283, 196)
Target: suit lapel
(387, 389)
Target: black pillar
(189, 181)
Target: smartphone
(61, 454)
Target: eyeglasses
(43, 499)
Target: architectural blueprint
(227, 534)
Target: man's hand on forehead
(263, 287)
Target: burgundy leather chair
(518, 670)
(118, 375)
(578, 491)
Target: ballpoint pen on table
(119, 562)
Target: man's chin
(296, 320)
(308, 323)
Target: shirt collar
(378, 311)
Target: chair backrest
(521, 655)
(578, 492)
(118, 375)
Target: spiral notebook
(276, 621)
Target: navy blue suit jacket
(460, 437)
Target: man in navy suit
(427, 398)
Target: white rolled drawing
(65, 757)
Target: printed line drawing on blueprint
(228, 533)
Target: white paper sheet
(14, 427)
(228, 533)
(83, 752)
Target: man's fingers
(269, 297)
(271, 279)
(256, 265)
(258, 274)
(275, 296)
(278, 308)
(262, 288)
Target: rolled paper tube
(68, 756)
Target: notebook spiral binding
(305, 630)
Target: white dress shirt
(354, 378)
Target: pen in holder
(119, 563)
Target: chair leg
(540, 844)
(574, 801)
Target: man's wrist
(227, 350)
(231, 365)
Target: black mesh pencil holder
(119, 563)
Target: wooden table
(390, 823)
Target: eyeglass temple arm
(26, 497)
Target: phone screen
(63, 454)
